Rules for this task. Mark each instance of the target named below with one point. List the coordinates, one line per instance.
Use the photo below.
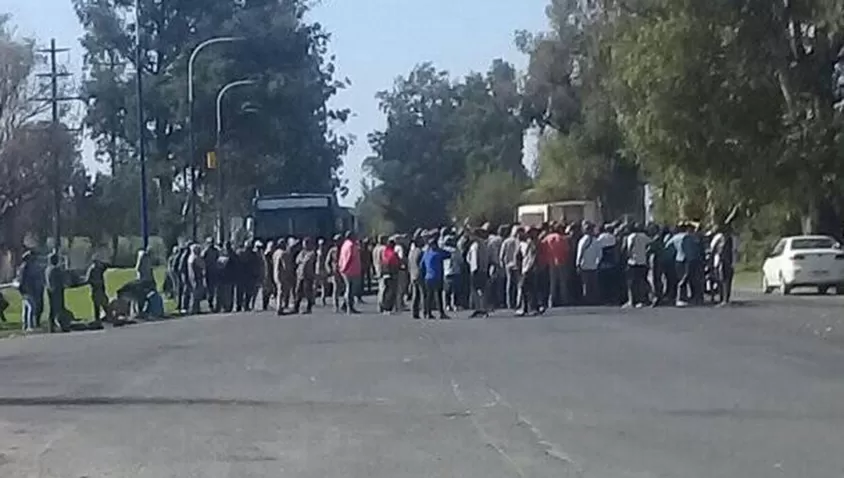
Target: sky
(375, 41)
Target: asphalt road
(755, 390)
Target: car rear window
(813, 243)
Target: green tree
(582, 151)
(291, 148)
(441, 136)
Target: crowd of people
(435, 273)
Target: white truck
(563, 211)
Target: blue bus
(300, 215)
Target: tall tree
(292, 147)
(582, 152)
(443, 138)
(27, 144)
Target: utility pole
(139, 67)
(55, 100)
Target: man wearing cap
(305, 276)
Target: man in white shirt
(478, 259)
(636, 246)
(588, 258)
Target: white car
(804, 261)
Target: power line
(55, 100)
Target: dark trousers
(591, 288)
(184, 293)
(725, 283)
(417, 296)
(56, 312)
(658, 284)
(243, 292)
(224, 297)
(433, 298)
(696, 281)
(304, 292)
(542, 286)
(452, 292)
(530, 292)
(511, 286)
(99, 301)
(607, 286)
(684, 281)
(637, 284)
(211, 292)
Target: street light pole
(139, 71)
(221, 219)
(190, 163)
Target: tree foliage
(290, 147)
(441, 135)
(582, 154)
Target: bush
(490, 197)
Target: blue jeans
(28, 312)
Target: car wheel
(766, 287)
(785, 289)
(839, 289)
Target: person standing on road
(184, 281)
(636, 251)
(402, 278)
(196, 276)
(56, 284)
(332, 268)
(589, 253)
(27, 281)
(306, 262)
(227, 266)
(557, 248)
(95, 278)
(431, 268)
(453, 268)
(478, 259)
(679, 243)
(350, 269)
(509, 261)
(414, 260)
(655, 253)
(210, 256)
(495, 290)
(529, 289)
(279, 271)
(390, 265)
(268, 290)
(173, 273)
(725, 253)
(377, 266)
